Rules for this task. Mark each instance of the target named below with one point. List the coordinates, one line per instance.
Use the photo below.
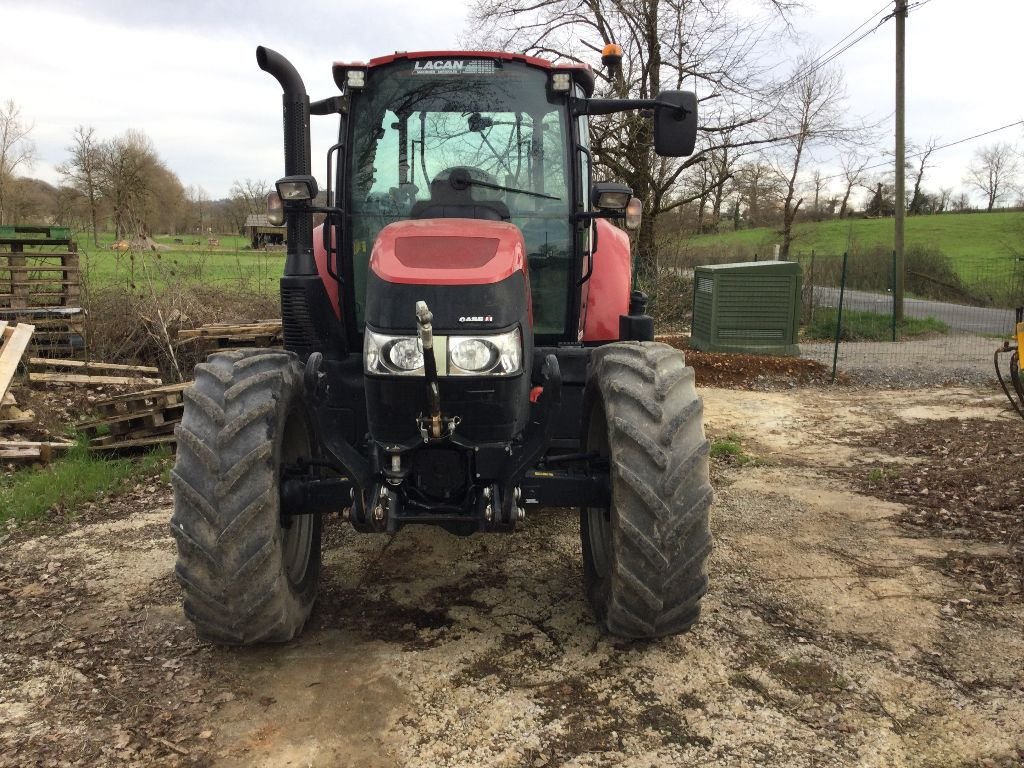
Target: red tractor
(461, 344)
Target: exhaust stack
(299, 260)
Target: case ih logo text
(439, 67)
(476, 319)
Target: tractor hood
(471, 272)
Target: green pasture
(229, 264)
(965, 238)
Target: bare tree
(667, 44)
(248, 197)
(16, 150)
(993, 172)
(810, 114)
(142, 193)
(944, 197)
(854, 167)
(961, 202)
(198, 203)
(818, 183)
(759, 191)
(82, 171)
(917, 198)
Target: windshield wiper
(487, 184)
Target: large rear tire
(645, 557)
(246, 578)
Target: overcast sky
(185, 72)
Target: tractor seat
(451, 198)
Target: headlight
(397, 355)
(500, 355)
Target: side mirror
(675, 129)
(608, 195)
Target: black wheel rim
(298, 537)
(599, 528)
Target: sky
(185, 72)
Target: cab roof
(582, 74)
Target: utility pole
(901, 151)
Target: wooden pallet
(262, 333)
(37, 279)
(113, 427)
(138, 420)
(59, 330)
(142, 402)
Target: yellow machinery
(1013, 349)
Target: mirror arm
(607, 213)
(611, 106)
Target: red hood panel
(448, 252)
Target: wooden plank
(21, 451)
(77, 378)
(167, 389)
(22, 269)
(44, 281)
(144, 442)
(90, 365)
(15, 342)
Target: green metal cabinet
(751, 307)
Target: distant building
(262, 233)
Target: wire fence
(955, 314)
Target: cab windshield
(492, 121)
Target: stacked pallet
(210, 338)
(139, 420)
(43, 287)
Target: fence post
(839, 320)
(810, 310)
(892, 282)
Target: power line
(934, 149)
(855, 31)
(829, 55)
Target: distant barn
(262, 233)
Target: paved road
(960, 318)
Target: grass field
(965, 238)
(229, 264)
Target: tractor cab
(472, 136)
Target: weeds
(730, 448)
(880, 475)
(71, 481)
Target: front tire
(246, 578)
(645, 557)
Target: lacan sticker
(452, 67)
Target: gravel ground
(838, 630)
(943, 361)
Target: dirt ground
(865, 610)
